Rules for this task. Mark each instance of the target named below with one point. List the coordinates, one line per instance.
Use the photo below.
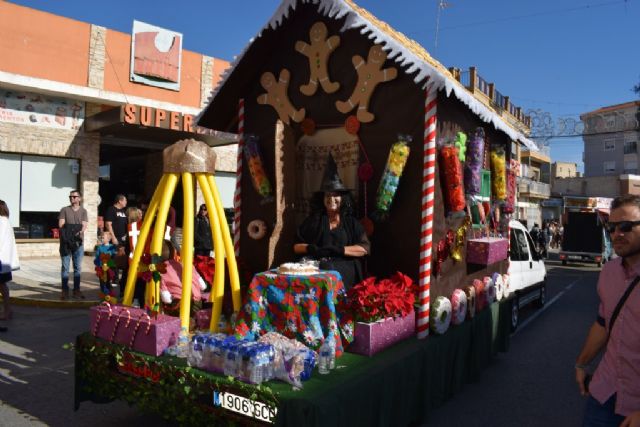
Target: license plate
(244, 406)
(575, 257)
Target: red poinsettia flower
(370, 300)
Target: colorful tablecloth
(300, 307)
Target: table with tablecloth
(298, 306)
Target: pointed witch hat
(331, 182)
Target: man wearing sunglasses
(614, 392)
(72, 222)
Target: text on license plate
(575, 257)
(244, 406)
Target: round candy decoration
(308, 126)
(505, 285)
(352, 125)
(489, 289)
(481, 297)
(440, 315)
(458, 306)
(470, 292)
(257, 229)
(498, 282)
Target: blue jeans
(76, 258)
(601, 415)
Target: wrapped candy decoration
(473, 164)
(481, 297)
(489, 289)
(511, 192)
(256, 169)
(498, 282)
(458, 306)
(391, 176)
(453, 180)
(470, 292)
(498, 174)
(440, 318)
(461, 144)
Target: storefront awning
(153, 125)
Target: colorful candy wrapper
(391, 177)
(256, 169)
(452, 171)
(498, 173)
(473, 163)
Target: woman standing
(202, 238)
(8, 258)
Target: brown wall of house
(399, 109)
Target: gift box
(132, 327)
(487, 250)
(370, 338)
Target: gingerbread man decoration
(318, 51)
(370, 74)
(278, 98)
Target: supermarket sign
(242, 405)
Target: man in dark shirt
(115, 221)
(72, 222)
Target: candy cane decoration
(237, 199)
(98, 315)
(428, 189)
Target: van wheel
(542, 297)
(515, 313)
(564, 262)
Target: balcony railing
(528, 187)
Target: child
(105, 262)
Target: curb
(36, 302)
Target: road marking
(546, 306)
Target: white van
(527, 273)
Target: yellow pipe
(228, 246)
(159, 231)
(186, 253)
(142, 239)
(217, 288)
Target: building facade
(611, 137)
(533, 184)
(64, 98)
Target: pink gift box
(370, 338)
(487, 250)
(133, 328)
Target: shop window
(39, 187)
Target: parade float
(427, 165)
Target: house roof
(612, 108)
(407, 53)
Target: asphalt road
(530, 385)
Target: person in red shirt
(614, 391)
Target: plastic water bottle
(195, 355)
(231, 361)
(332, 353)
(323, 359)
(255, 366)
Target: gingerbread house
(326, 76)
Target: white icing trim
(396, 51)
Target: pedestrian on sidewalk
(8, 258)
(72, 222)
(116, 221)
(614, 392)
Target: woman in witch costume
(331, 234)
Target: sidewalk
(37, 283)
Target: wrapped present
(487, 250)
(134, 328)
(370, 338)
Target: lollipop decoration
(391, 177)
(256, 169)
(473, 165)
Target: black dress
(315, 230)
(202, 236)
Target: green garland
(163, 385)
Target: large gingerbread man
(277, 96)
(370, 74)
(318, 54)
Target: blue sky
(563, 58)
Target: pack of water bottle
(248, 361)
